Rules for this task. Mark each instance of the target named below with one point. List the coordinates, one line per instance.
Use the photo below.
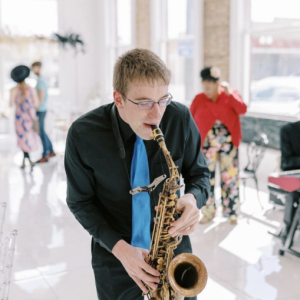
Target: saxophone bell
(187, 275)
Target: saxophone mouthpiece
(157, 134)
(153, 127)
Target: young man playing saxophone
(98, 161)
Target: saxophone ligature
(181, 276)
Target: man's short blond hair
(139, 64)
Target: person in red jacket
(216, 112)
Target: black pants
(26, 154)
(112, 280)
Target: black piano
(280, 185)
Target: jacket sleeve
(81, 197)
(194, 168)
(289, 160)
(237, 103)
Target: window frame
(241, 32)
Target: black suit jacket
(98, 182)
(290, 146)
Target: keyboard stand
(286, 247)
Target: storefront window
(275, 56)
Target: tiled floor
(52, 259)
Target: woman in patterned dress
(216, 112)
(26, 101)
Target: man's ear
(118, 99)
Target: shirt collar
(219, 95)
(125, 129)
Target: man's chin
(146, 136)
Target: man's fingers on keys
(153, 273)
(140, 284)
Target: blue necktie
(141, 213)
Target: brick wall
(143, 37)
(216, 35)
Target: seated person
(290, 160)
(290, 146)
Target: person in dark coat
(290, 160)
(290, 146)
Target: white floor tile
(67, 258)
(216, 289)
(32, 289)
(81, 281)
(24, 267)
(52, 259)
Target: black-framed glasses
(146, 104)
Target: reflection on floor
(52, 259)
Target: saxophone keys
(160, 261)
(160, 268)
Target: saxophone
(181, 276)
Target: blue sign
(186, 48)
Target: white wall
(199, 45)
(82, 76)
(239, 68)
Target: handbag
(35, 123)
(36, 126)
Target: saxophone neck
(160, 139)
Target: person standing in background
(42, 90)
(26, 101)
(216, 112)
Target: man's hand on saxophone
(133, 260)
(187, 222)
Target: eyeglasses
(145, 104)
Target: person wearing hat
(216, 112)
(26, 101)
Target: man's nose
(155, 111)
